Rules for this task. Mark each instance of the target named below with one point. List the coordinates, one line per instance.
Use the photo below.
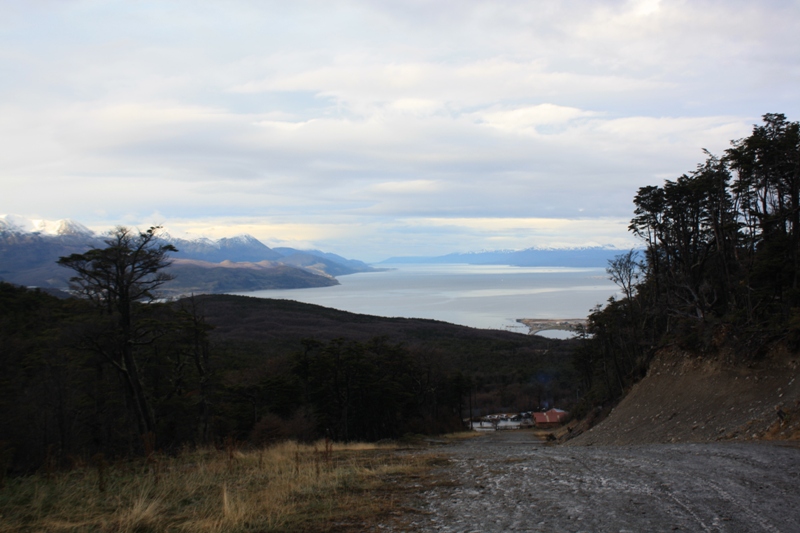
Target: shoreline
(535, 325)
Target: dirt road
(509, 481)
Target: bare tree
(624, 270)
(116, 279)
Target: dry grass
(287, 487)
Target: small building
(549, 419)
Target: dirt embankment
(689, 399)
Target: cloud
(406, 187)
(378, 127)
(526, 119)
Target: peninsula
(535, 325)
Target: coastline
(535, 325)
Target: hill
(202, 277)
(685, 398)
(719, 279)
(283, 325)
(217, 368)
(345, 266)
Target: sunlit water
(490, 296)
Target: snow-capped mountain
(241, 248)
(29, 250)
(18, 224)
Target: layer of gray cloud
(378, 128)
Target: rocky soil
(510, 481)
(697, 445)
(689, 399)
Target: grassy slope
(323, 487)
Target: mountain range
(29, 250)
(595, 256)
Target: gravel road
(509, 481)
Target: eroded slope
(688, 399)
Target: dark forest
(720, 267)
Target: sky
(373, 128)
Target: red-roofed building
(549, 419)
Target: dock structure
(535, 325)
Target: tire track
(509, 481)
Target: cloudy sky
(378, 128)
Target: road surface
(509, 481)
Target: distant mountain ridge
(29, 250)
(595, 256)
(240, 248)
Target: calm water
(471, 295)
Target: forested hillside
(720, 271)
(75, 383)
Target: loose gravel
(510, 481)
